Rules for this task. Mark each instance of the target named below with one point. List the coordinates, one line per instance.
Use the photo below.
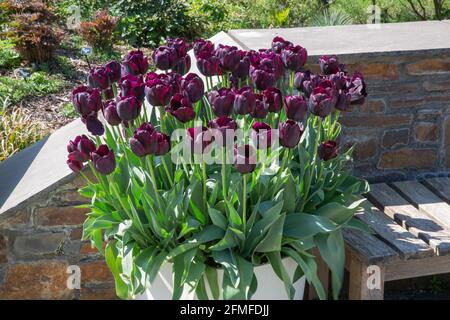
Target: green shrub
(9, 58)
(331, 17)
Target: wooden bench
(411, 221)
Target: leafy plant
(9, 58)
(99, 32)
(331, 17)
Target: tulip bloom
(110, 113)
(128, 108)
(104, 160)
(86, 101)
(340, 80)
(357, 89)
(271, 60)
(329, 64)
(229, 57)
(321, 102)
(294, 57)
(165, 58)
(132, 86)
(221, 101)
(295, 107)
(193, 86)
(198, 139)
(180, 46)
(279, 43)
(261, 109)
(290, 133)
(272, 99)
(93, 125)
(208, 64)
(98, 77)
(183, 66)
(262, 135)
(327, 150)
(306, 82)
(74, 165)
(80, 148)
(202, 45)
(263, 78)
(344, 101)
(163, 144)
(242, 69)
(158, 89)
(245, 159)
(244, 101)
(144, 140)
(114, 71)
(135, 63)
(226, 127)
(181, 108)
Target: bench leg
(323, 274)
(366, 282)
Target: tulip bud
(329, 64)
(263, 78)
(295, 107)
(165, 58)
(327, 150)
(262, 135)
(132, 86)
(183, 66)
(198, 139)
(135, 63)
(290, 133)
(144, 140)
(80, 148)
(74, 165)
(86, 100)
(226, 126)
(98, 77)
(93, 125)
(110, 113)
(229, 57)
(104, 160)
(278, 44)
(242, 69)
(208, 64)
(114, 70)
(181, 108)
(163, 145)
(221, 101)
(294, 57)
(193, 86)
(202, 45)
(128, 108)
(245, 159)
(321, 102)
(261, 109)
(158, 89)
(244, 101)
(272, 99)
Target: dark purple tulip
(329, 64)
(340, 80)
(93, 125)
(104, 160)
(357, 89)
(225, 125)
(198, 139)
(295, 107)
(261, 110)
(244, 101)
(245, 159)
(343, 101)
(163, 144)
(110, 113)
(221, 101)
(202, 45)
(183, 66)
(208, 64)
(278, 44)
(135, 63)
(272, 99)
(180, 45)
(165, 58)
(74, 165)
(263, 78)
(132, 86)
(262, 135)
(128, 108)
(144, 140)
(294, 57)
(98, 77)
(193, 86)
(174, 80)
(80, 148)
(158, 89)
(243, 67)
(114, 70)
(306, 82)
(229, 57)
(321, 102)
(181, 108)
(327, 150)
(271, 60)
(86, 101)
(290, 133)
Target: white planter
(270, 287)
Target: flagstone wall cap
(354, 39)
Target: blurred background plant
(99, 33)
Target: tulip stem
(152, 175)
(244, 202)
(166, 169)
(224, 178)
(204, 184)
(291, 82)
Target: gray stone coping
(354, 39)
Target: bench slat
(416, 222)
(440, 186)
(426, 201)
(368, 247)
(409, 246)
